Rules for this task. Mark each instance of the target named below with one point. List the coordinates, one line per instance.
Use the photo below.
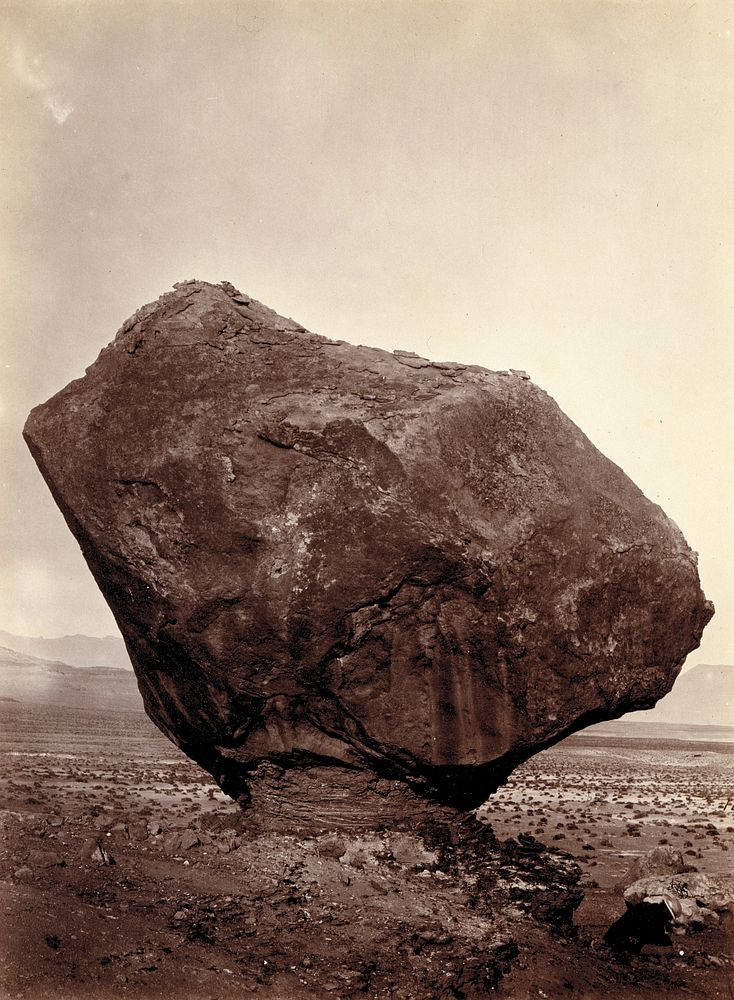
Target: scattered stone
(331, 847)
(188, 840)
(172, 842)
(357, 856)
(663, 860)
(410, 851)
(138, 831)
(95, 851)
(23, 874)
(45, 859)
(229, 837)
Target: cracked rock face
(351, 581)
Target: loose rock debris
(443, 911)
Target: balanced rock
(357, 580)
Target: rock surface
(691, 899)
(662, 860)
(348, 580)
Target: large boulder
(662, 860)
(350, 577)
(692, 900)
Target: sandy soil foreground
(125, 872)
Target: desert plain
(126, 872)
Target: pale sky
(536, 185)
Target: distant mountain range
(31, 680)
(702, 696)
(78, 670)
(75, 650)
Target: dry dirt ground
(197, 908)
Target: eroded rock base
(309, 800)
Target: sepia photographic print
(366, 425)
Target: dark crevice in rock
(274, 441)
